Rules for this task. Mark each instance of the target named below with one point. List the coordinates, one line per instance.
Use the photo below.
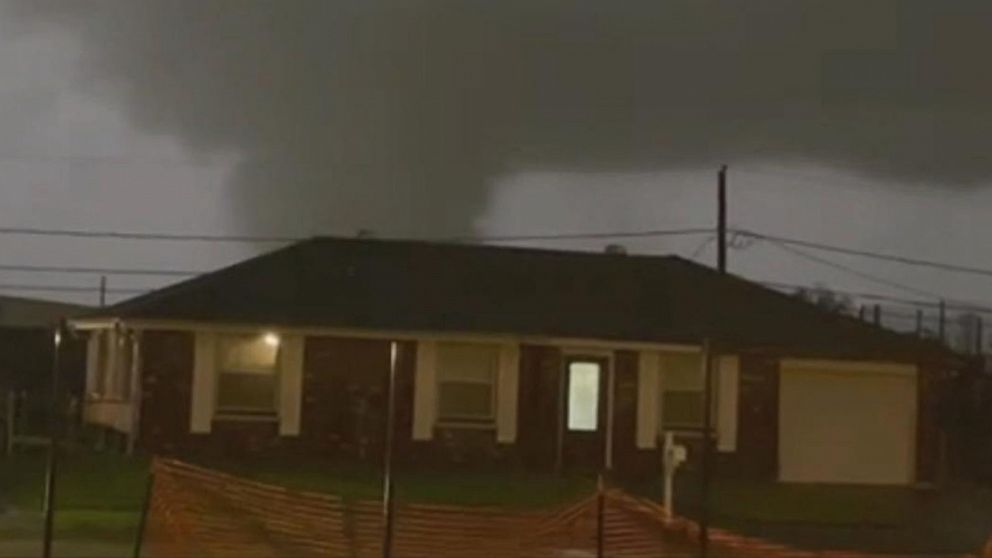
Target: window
(247, 373)
(466, 379)
(682, 392)
(583, 395)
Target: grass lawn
(484, 488)
(882, 519)
(98, 496)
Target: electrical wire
(98, 270)
(866, 276)
(132, 235)
(866, 253)
(68, 289)
(649, 233)
(125, 235)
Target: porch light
(271, 339)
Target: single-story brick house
(536, 358)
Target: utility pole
(103, 291)
(708, 364)
(721, 221)
(707, 458)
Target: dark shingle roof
(419, 286)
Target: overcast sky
(859, 124)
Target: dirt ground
(63, 549)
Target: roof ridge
(482, 245)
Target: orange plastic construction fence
(195, 511)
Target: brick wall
(167, 373)
(539, 411)
(344, 386)
(343, 412)
(345, 383)
(628, 459)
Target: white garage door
(847, 423)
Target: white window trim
(686, 430)
(468, 422)
(598, 363)
(246, 415)
(723, 406)
(426, 396)
(578, 352)
(288, 390)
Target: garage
(844, 422)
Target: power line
(649, 233)
(867, 254)
(68, 289)
(866, 276)
(879, 297)
(122, 235)
(694, 256)
(655, 233)
(104, 159)
(98, 270)
(132, 235)
(189, 273)
(861, 295)
(783, 243)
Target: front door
(584, 419)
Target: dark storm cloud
(399, 115)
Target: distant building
(26, 352)
(29, 313)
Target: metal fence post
(11, 416)
(139, 537)
(388, 492)
(53, 445)
(707, 457)
(600, 516)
